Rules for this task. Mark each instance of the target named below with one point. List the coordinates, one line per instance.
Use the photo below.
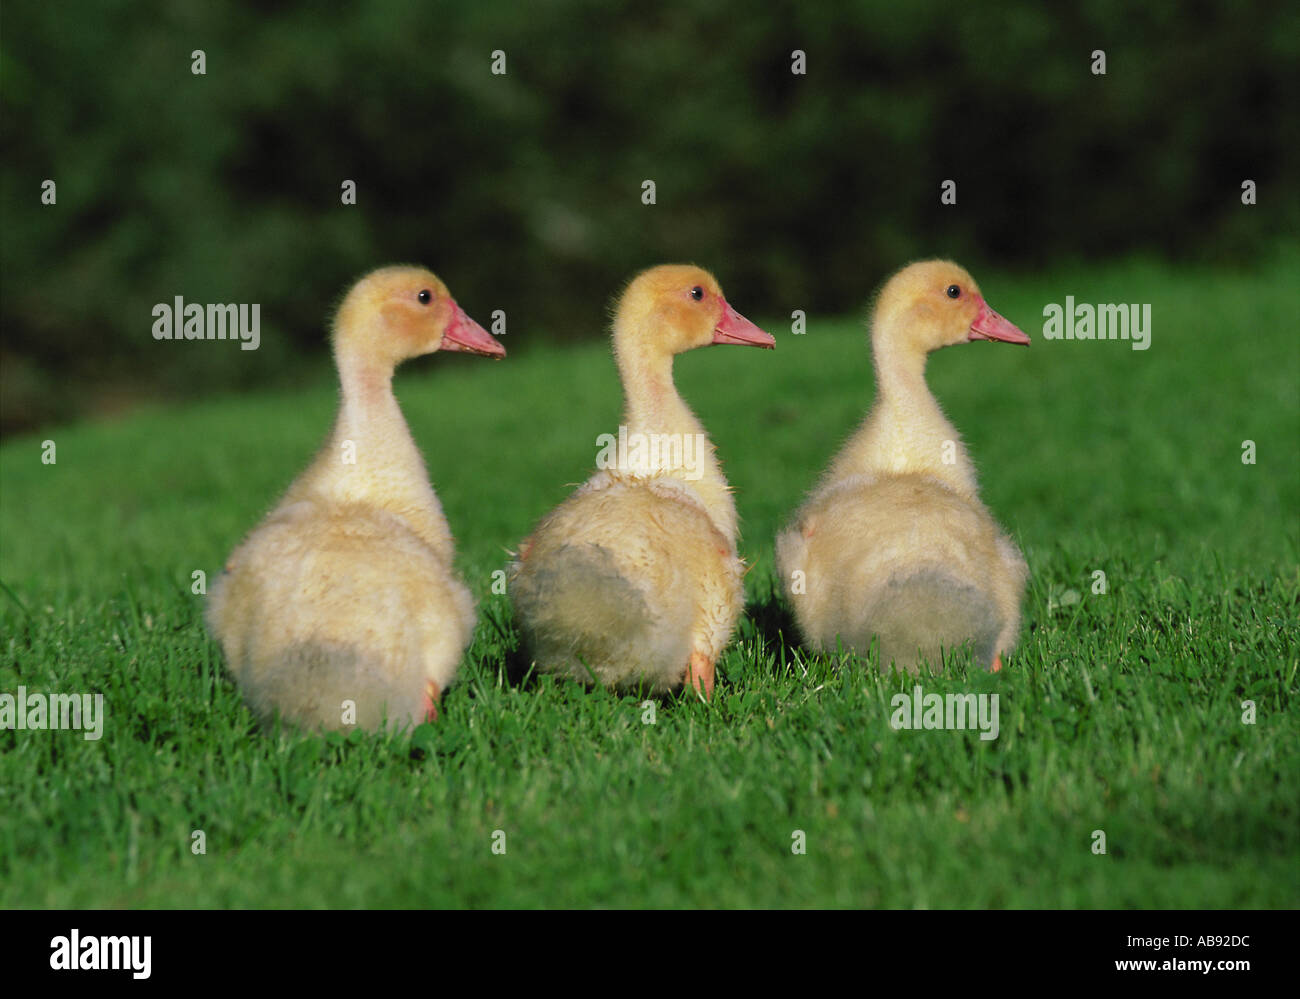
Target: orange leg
(997, 663)
(699, 674)
(431, 695)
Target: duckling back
(919, 617)
(339, 616)
(614, 583)
(905, 561)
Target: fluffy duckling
(345, 592)
(634, 580)
(894, 541)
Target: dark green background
(523, 191)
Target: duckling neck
(659, 421)
(370, 458)
(906, 431)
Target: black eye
(954, 291)
(697, 293)
(425, 297)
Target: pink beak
(735, 328)
(462, 333)
(988, 325)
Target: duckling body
(634, 581)
(342, 608)
(311, 617)
(625, 581)
(894, 545)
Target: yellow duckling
(342, 606)
(894, 543)
(634, 580)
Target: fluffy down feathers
(621, 584)
(906, 561)
(314, 612)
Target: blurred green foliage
(524, 190)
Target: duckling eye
(697, 293)
(425, 296)
(954, 291)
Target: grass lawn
(1119, 712)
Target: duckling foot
(997, 663)
(699, 674)
(431, 695)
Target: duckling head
(396, 313)
(936, 303)
(677, 307)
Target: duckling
(894, 541)
(345, 592)
(634, 580)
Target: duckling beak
(988, 325)
(735, 328)
(462, 333)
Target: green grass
(1120, 712)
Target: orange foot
(997, 663)
(699, 674)
(431, 695)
